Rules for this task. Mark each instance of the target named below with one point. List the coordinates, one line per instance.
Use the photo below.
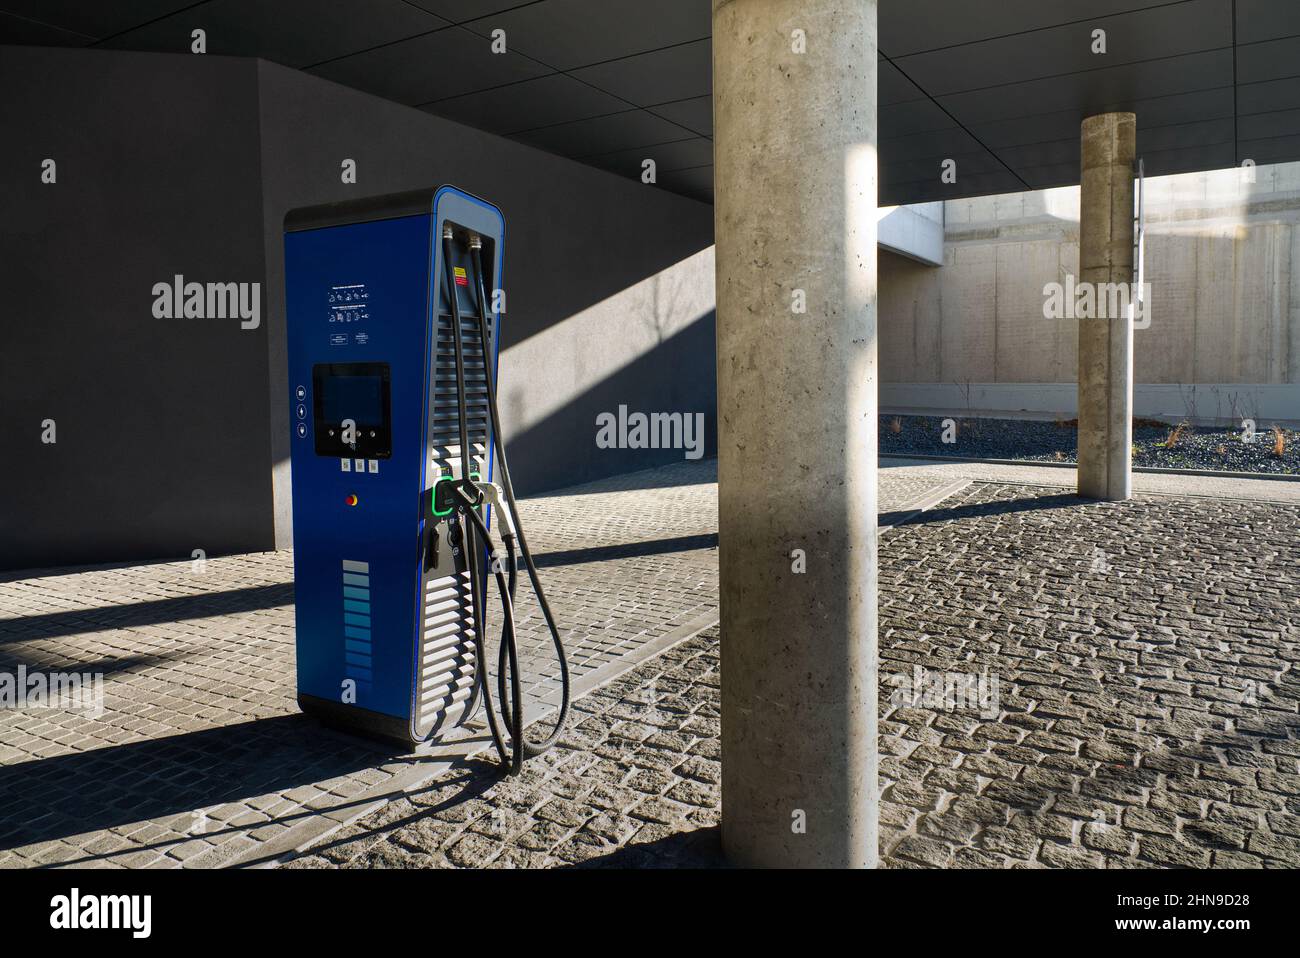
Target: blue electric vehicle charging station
(392, 337)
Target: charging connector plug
(495, 496)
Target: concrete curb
(1033, 463)
(610, 671)
(433, 761)
(1044, 484)
(925, 504)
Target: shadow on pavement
(172, 778)
(628, 550)
(474, 778)
(1030, 503)
(701, 848)
(156, 612)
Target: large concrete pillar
(795, 226)
(1106, 344)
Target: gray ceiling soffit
(998, 87)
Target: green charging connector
(447, 496)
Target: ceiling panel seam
(953, 118)
(557, 72)
(1113, 105)
(1050, 26)
(1236, 143)
(1070, 73)
(1141, 130)
(595, 116)
(50, 26)
(172, 13)
(641, 146)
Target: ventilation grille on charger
(444, 430)
(447, 659)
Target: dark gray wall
(162, 425)
(173, 434)
(576, 239)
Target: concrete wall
(914, 231)
(609, 282)
(161, 425)
(1222, 254)
(172, 435)
(1203, 403)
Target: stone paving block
(1167, 851)
(214, 651)
(1010, 843)
(1124, 694)
(926, 851)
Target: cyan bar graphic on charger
(395, 454)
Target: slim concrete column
(1106, 344)
(795, 224)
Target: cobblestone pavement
(201, 757)
(1147, 701)
(1040, 474)
(633, 783)
(1147, 657)
(1145, 713)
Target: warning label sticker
(461, 278)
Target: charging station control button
(374, 465)
(346, 464)
(351, 499)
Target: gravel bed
(1195, 447)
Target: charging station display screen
(352, 410)
(359, 398)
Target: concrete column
(1106, 344)
(795, 223)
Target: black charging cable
(530, 748)
(472, 551)
(470, 499)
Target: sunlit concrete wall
(609, 281)
(134, 437)
(915, 231)
(1223, 259)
